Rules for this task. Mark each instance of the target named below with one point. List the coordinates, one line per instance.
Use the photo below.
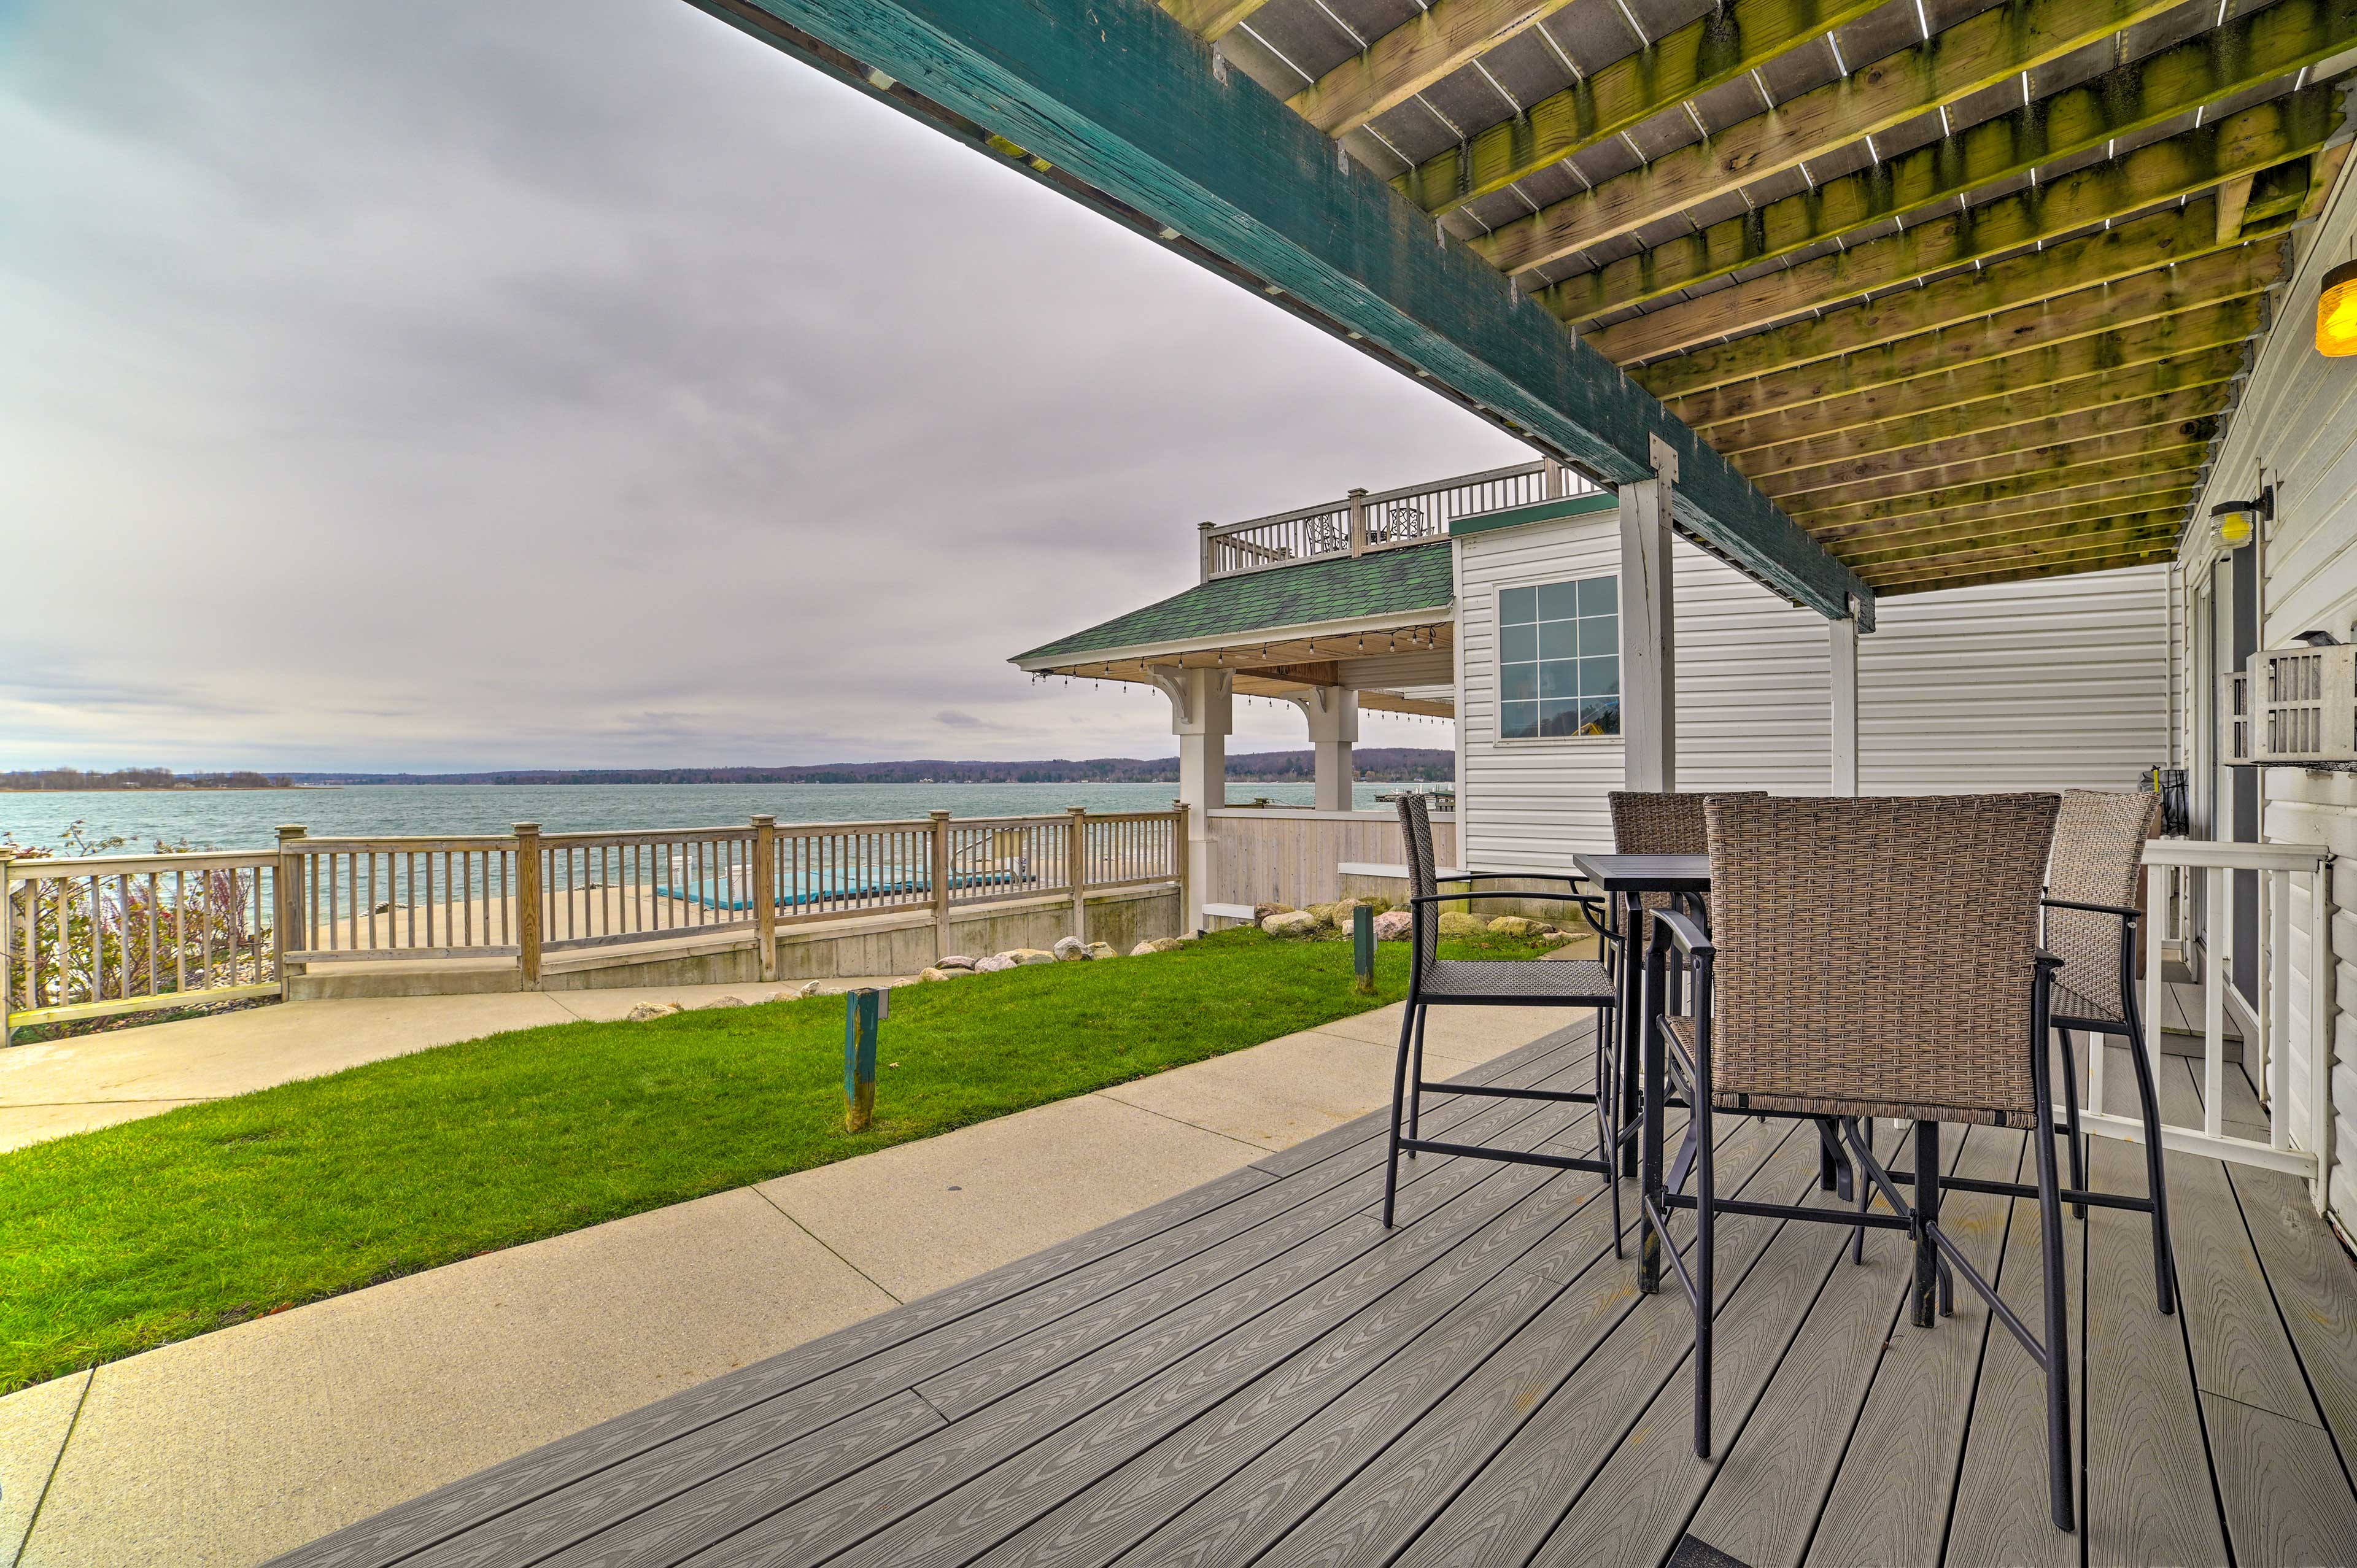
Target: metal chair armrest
(2123, 910)
(1671, 926)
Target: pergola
(1914, 294)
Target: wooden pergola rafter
(1931, 292)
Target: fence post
(1076, 860)
(1179, 862)
(528, 892)
(7, 948)
(938, 880)
(1358, 520)
(765, 894)
(1203, 549)
(289, 914)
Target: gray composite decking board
(1763, 1504)
(2149, 1492)
(851, 1511)
(1383, 1458)
(1486, 1386)
(1401, 1285)
(1544, 1464)
(2239, 1347)
(2288, 1502)
(1892, 1494)
(2000, 1513)
(876, 1357)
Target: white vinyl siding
(2298, 422)
(2055, 683)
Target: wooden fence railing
(117, 934)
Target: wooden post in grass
(765, 895)
(859, 1009)
(527, 880)
(1363, 948)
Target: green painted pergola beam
(1118, 94)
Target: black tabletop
(1646, 873)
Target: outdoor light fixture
(2336, 312)
(2237, 521)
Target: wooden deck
(1254, 1372)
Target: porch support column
(1648, 628)
(1333, 729)
(1201, 709)
(1843, 634)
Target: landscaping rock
(646, 1010)
(722, 1001)
(1512, 926)
(1029, 955)
(955, 961)
(941, 973)
(1261, 912)
(992, 964)
(1394, 926)
(1102, 949)
(1457, 923)
(1071, 949)
(1144, 950)
(1296, 923)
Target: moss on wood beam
(2036, 361)
(1125, 100)
(2033, 574)
(1933, 456)
(2081, 503)
(1735, 40)
(1876, 552)
(2067, 269)
(2248, 52)
(1212, 19)
(1973, 55)
(2256, 138)
(2101, 556)
(2077, 450)
(2008, 408)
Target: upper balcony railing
(1363, 522)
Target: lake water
(242, 818)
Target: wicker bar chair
(1866, 958)
(2091, 925)
(1435, 982)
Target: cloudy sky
(583, 384)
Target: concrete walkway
(97, 1081)
(234, 1446)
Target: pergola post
(1844, 635)
(1333, 729)
(1648, 628)
(1201, 713)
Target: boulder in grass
(1294, 923)
(1102, 949)
(1394, 926)
(646, 1010)
(930, 973)
(992, 964)
(1512, 926)
(1261, 912)
(955, 961)
(1144, 950)
(722, 1001)
(1457, 923)
(1071, 949)
(1029, 955)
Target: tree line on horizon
(139, 778)
(1412, 764)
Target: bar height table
(1623, 878)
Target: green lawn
(133, 1236)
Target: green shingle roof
(1389, 582)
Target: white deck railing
(1363, 522)
(2287, 1037)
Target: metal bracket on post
(861, 1010)
(1665, 461)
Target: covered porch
(1254, 1372)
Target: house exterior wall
(2296, 427)
(2039, 685)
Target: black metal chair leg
(2058, 1316)
(1399, 1098)
(1606, 1135)
(2070, 1116)
(1927, 1210)
(1865, 1130)
(1416, 1079)
(1705, 1234)
(2164, 1250)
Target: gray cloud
(467, 385)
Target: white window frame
(1498, 735)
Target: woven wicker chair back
(1422, 871)
(1647, 822)
(2098, 848)
(1878, 952)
